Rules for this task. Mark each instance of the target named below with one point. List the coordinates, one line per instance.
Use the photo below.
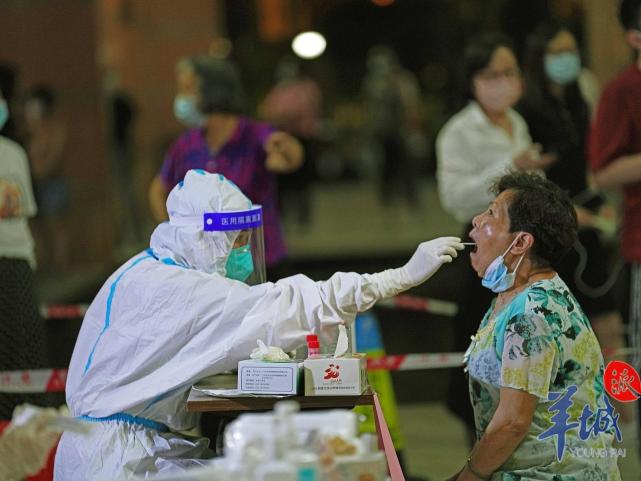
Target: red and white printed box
(336, 376)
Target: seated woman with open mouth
(535, 365)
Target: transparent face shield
(246, 260)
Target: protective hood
(183, 241)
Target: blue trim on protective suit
(167, 260)
(112, 292)
(128, 418)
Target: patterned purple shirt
(241, 160)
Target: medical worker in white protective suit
(170, 316)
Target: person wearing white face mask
(181, 311)
(210, 102)
(487, 137)
(533, 343)
(484, 139)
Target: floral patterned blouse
(542, 343)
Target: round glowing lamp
(309, 45)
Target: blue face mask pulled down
(562, 68)
(4, 113)
(186, 111)
(496, 277)
(240, 263)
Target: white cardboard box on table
(336, 376)
(261, 377)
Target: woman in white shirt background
(483, 140)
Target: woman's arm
(506, 430)
(621, 172)
(158, 200)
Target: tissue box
(260, 377)
(336, 376)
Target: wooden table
(201, 402)
(230, 407)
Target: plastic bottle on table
(282, 438)
(313, 346)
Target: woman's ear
(524, 242)
(634, 38)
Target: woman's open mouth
(472, 245)
(471, 242)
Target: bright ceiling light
(309, 44)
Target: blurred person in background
(535, 365)
(519, 19)
(294, 105)
(392, 106)
(615, 158)
(22, 335)
(485, 138)
(46, 138)
(121, 114)
(210, 101)
(558, 118)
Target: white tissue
(271, 353)
(343, 343)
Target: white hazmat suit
(168, 317)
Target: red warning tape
(410, 362)
(440, 360)
(53, 380)
(72, 311)
(33, 381)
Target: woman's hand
(584, 217)
(532, 159)
(605, 220)
(10, 199)
(284, 153)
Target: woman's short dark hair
(220, 87)
(542, 209)
(630, 14)
(477, 56)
